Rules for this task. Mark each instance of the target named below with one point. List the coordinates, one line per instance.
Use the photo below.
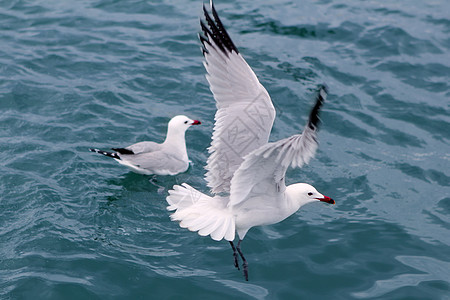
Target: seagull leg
(236, 263)
(154, 181)
(244, 261)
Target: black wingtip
(203, 40)
(123, 151)
(224, 34)
(321, 96)
(324, 87)
(105, 153)
(216, 32)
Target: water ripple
(78, 74)
(435, 270)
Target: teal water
(77, 74)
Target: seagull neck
(292, 202)
(175, 139)
(294, 198)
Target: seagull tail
(105, 153)
(201, 213)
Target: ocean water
(108, 73)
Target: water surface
(108, 73)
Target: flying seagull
(148, 158)
(245, 173)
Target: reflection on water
(249, 289)
(434, 270)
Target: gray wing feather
(143, 147)
(265, 168)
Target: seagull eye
(185, 122)
(310, 194)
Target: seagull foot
(245, 267)
(153, 180)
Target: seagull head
(305, 193)
(182, 123)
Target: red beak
(196, 122)
(327, 200)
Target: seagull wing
(143, 147)
(157, 162)
(245, 113)
(263, 170)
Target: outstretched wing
(245, 113)
(263, 170)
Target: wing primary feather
(206, 32)
(224, 34)
(204, 40)
(214, 32)
(123, 151)
(314, 120)
(217, 31)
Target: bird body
(245, 173)
(148, 158)
(218, 217)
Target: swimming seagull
(244, 171)
(148, 158)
